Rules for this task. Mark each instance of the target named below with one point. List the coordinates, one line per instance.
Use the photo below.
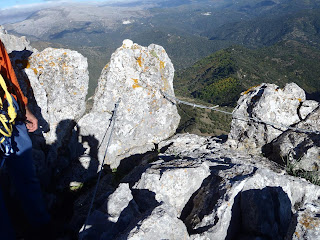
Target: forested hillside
(278, 48)
(221, 77)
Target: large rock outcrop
(275, 110)
(59, 79)
(299, 149)
(14, 43)
(136, 76)
(267, 103)
(56, 83)
(197, 187)
(235, 196)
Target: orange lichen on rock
(161, 65)
(139, 61)
(309, 222)
(249, 90)
(135, 85)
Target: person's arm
(32, 121)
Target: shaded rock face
(136, 76)
(264, 212)
(231, 196)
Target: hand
(32, 121)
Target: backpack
(8, 115)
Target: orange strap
(6, 70)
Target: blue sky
(27, 3)
(12, 11)
(5, 4)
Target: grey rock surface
(174, 182)
(136, 75)
(161, 224)
(299, 149)
(59, 83)
(113, 217)
(236, 195)
(309, 223)
(14, 43)
(266, 103)
(118, 201)
(59, 79)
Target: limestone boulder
(59, 79)
(167, 226)
(14, 43)
(59, 83)
(263, 112)
(174, 182)
(281, 124)
(113, 217)
(136, 76)
(245, 196)
(300, 150)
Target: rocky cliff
(135, 76)
(161, 185)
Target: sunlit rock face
(59, 79)
(14, 43)
(285, 126)
(135, 77)
(267, 103)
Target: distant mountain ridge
(301, 26)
